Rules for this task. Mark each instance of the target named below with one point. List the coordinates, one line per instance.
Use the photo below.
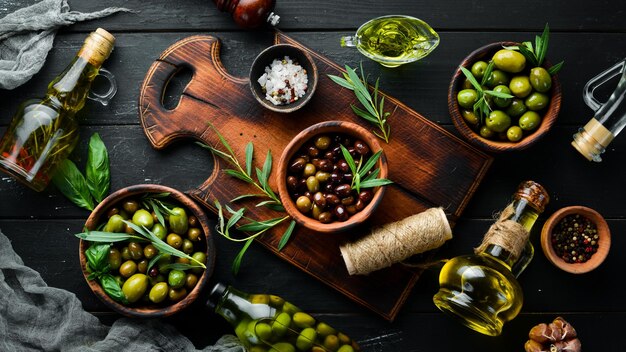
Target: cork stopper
(534, 193)
(97, 47)
(592, 140)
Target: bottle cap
(97, 47)
(592, 139)
(217, 292)
(534, 193)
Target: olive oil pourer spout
(393, 40)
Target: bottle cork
(592, 139)
(97, 47)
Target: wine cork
(397, 241)
(97, 47)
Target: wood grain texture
(429, 166)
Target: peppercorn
(574, 239)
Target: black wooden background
(589, 35)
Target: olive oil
(394, 40)
(44, 132)
(269, 323)
(481, 290)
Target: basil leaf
(97, 170)
(97, 258)
(112, 288)
(72, 184)
(285, 238)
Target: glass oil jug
(269, 323)
(610, 117)
(481, 290)
(394, 40)
(44, 132)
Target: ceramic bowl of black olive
(277, 78)
(317, 185)
(576, 239)
(142, 281)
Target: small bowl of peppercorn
(576, 239)
(332, 176)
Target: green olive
(281, 324)
(142, 266)
(467, 84)
(343, 338)
(322, 176)
(324, 329)
(529, 121)
(478, 69)
(498, 121)
(309, 170)
(514, 133)
(149, 251)
(199, 257)
(540, 79)
(158, 292)
(136, 251)
(537, 101)
(331, 342)
(179, 221)
(125, 253)
(176, 278)
(263, 331)
(174, 240)
(176, 295)
(194, 234)
(290, 308)
(467, 98)
(520, 86)
(187, 246)
(128, 268)
(497, 78)
(259, 299)
(509, 60)
(502, 102)
(114, 258)
(191, 281)
(303, 203)
(345, 348)
(143, 218)
(135, 287)
(485, 132)
(182, 260)
(322, 142)
(469, 117)
(276, 301)
(316, 211)
(283, 347)
(130, 206)
(303, 320)
(517, 108)
(312, 184)
(159, 231)
(115, 224)
(306, 338)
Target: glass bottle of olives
(269, 323)
(43, 132)
(481, 290)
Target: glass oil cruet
(44, 132)
(265, 322)
(610, 117)
(481, 290)
(394, 40)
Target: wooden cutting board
(430, 166)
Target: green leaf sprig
(481, 107)
(155, 203)
(90, 190)
(536, 54)
(374, 109)
(360, 177)
(98, 265)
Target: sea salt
(284, 81)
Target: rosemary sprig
(482, 107)
(536, 54)
(374, 109)
(360, 178)
(245, 174)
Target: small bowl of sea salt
(283, 78)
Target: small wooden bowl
(148, 310)
(297, 142)
(265, 59)
(485, 53)
(604, 239)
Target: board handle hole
(175, 87)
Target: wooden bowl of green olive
(516, 104)
(147, 251)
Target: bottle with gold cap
(481, 290)
(610, 117)
(43, 132)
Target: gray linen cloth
(35, 317)
(26, 37)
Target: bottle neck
(235, 306)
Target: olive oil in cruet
(44, 132)
(481, 290)
(394, 40)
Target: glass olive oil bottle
(394, 40)
(481, 290)
(266, 323)
(44, 132)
